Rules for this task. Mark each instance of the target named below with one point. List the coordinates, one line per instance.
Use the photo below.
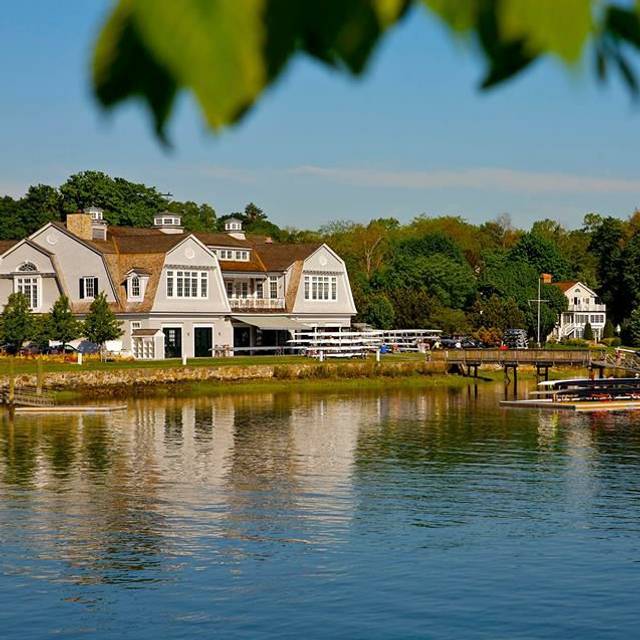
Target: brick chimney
(80, 224)
(546, 278)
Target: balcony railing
(588, 308)
(256, 303)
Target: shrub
(608, 331)
(575, 342)
(588, 332)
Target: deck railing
(256, 303)
(517, 356)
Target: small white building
(584, 306)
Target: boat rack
(583, 394)
(357, 344)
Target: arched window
(29, 285)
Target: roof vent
(233, 226)
(168, 222)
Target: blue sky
(413, 136)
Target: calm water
(400, 515)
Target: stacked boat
(583, 394)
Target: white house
(584, 306)
(179, 293)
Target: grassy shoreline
(271, 385)
(418, 381)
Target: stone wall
(145, 377)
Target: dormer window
(136, 285)
(233, 255)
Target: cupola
(98, 223)
(168, 222)
(233, 226)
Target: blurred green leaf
(226, 52)
(558, 27)
(123, 67)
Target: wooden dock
(540, 357)
(26, 400)
(72, 408)
(605, 405)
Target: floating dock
(579, 406)
(72, 408)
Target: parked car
(515, 339)
(57, 349)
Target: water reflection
(213, 487)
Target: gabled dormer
(137, 279)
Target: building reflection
(130, 496)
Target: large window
(320, 288)
(88, 287)
(30, 288)
(187, 284)
(28, 285)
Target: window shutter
(95, 288)
(81, 288)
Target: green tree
(101, 323)
(17, 321)
(243, 47)
(630, 275)
(124, 202)
(40, 205)
(40, 337)
(62, 326)
(542, 254)
(588, 332)
(451, 282)
(607, 245)
(632, 328)
(11, 225)
(608, 331)
(195, 217)
(253, 213)
(497, 313)
(378, 312)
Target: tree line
(124, 203)
(435, 271)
